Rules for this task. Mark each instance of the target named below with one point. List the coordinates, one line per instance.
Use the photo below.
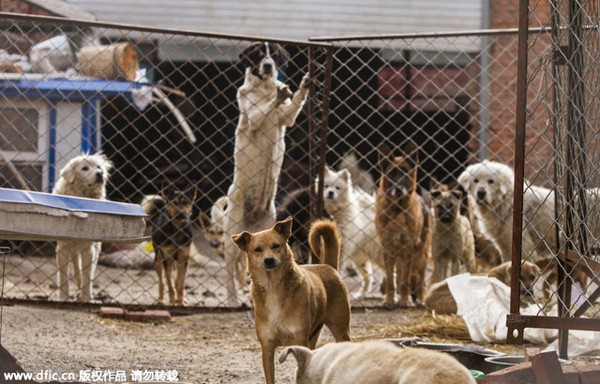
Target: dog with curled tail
(293, 302)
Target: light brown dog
(452, 241)
(402, 223)
(293, 302)
(440, 299)
(375, 362)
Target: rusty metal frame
(568, 260)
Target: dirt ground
(202, 348)
(212, 347)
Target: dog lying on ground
(452, 237)
(292, 302)
(354, 211)
(171, 221)
(375, 362)
(403, 226)
(440, 299)
(83, 176)
(267, 107)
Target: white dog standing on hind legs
(83, 176)
(267, 108)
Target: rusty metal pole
(515, 331)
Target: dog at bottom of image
(170, 216)
(293, 302)
(83, 176)
(403, 226)
(267, 108)
(375, 361)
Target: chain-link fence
(559, 118)
(451, 94)
(174, 122)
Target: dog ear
(284, 227)
(329, 171)
(69, 171)
(412, 154)
(105, 163)
(302, 354)
(457, 193)
(191, 192)
(464, 179)
(204, 220)
(386, 157)
(344, 174)
(242, 240)
(166, 189)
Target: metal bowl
(471, 356)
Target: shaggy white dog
(491, 186)
(83, 176)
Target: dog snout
(267, 68)
(447, 217)
(481, 194)
(215, 243)
(99, 177)
(330, 194)
(270, 262)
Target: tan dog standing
(375, 362)
(403, 226)
(452, 240)
(292, 302)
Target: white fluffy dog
(267, 107)
(375, 362)
(84, 176)
(491, 186)
(354, 211)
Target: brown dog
(171, 221)
(440, 299)
(403, 226)
(293, 302)
(452, 237)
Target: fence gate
(558, 115)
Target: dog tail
(324, 240)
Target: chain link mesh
(452, 94)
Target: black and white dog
(267, 108)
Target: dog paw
(306, 80)
(389, 306)
(358, 296)
(283, 93)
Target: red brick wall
(504, 14)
